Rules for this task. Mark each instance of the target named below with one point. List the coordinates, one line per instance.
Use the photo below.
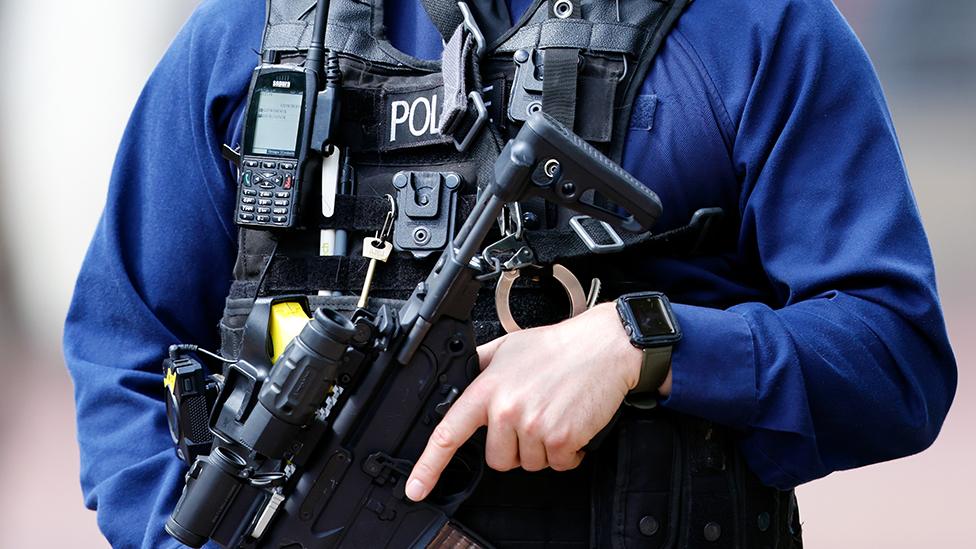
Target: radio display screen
(276, 123)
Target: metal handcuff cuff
(521, 256)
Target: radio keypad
(275, 181)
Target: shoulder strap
(445, 15)
(355, 26)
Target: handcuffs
(519, 256)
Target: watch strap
(654, 370)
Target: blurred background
(75, 70)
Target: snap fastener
(763, 521)
(648, 526)
(712, 531)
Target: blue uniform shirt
(820, 339)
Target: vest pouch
(645, 493)
(597, 97)
(769, 517)
(236, 311)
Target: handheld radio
(275, 159)
(280, 161)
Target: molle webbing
(633, 29)
(289, 26)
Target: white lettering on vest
(419, 122)
(413, 116)
(435, 122)
(396, 120)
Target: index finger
(465, 416)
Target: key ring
(384, 232)
(565, 277)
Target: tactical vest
(426, 134)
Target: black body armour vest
(660, 479)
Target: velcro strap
(365, 214)
(341, 274)
(559, 85)
(454, 64)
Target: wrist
(627, 357)
(651, 327)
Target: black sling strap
(445, 15)
(492, 16)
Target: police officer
(816, 341)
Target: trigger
(443, 406)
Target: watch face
(649, 320)
(652, 317)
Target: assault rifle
(313, 451)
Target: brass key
(376, 249)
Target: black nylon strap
(366, 214)
(445, 15)
(700, 235)
(341, 274)
(492, 16)
(561, 66)
(559, 84)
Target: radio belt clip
(426, 208)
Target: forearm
(826, 384)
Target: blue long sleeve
(847, 362)
(157, 271)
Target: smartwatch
(652, 327)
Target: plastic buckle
(472, 27)
(615, 245)
(482, 117)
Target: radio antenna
(315, 61)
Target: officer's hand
(544, 394)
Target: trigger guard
(472, 453)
